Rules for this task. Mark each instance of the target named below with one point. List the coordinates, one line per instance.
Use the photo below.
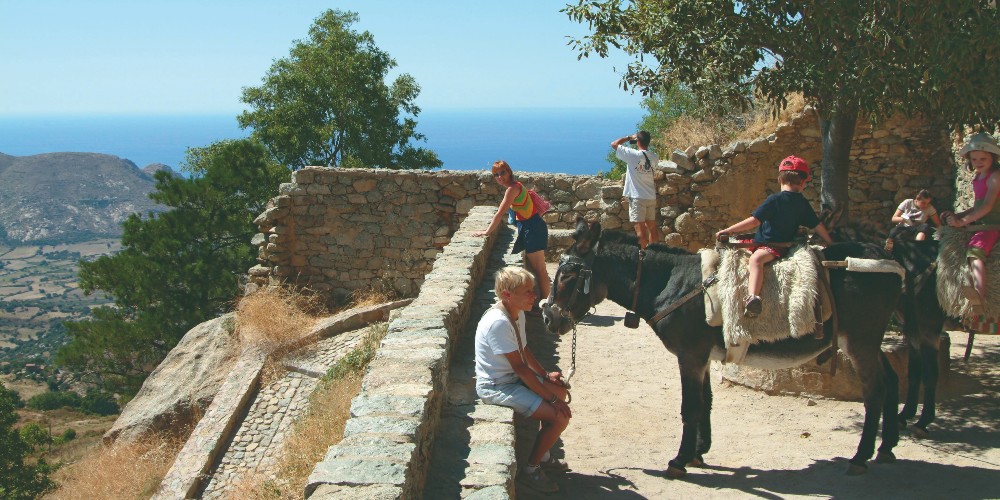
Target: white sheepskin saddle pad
(791, 289)
(953, 274)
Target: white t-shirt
(494, 338)
(913, 215)
(639, 174)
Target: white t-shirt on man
(639, 173)
(494, 338)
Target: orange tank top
(522, 205)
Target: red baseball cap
(797, 164)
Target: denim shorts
(514, 395)
(532, 235)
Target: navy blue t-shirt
(780, 216)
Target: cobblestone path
(271, 417)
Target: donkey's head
(573, 289)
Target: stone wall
(336, 231)
(385, 452)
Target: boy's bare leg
(553, 424)
(757, 261)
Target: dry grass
(321, 427)
(764, 122)
(275, 316)
(379, 292)
(131, 470)
(689, 130)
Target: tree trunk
(837, 130)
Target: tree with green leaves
(662, 107)
(18, 480)
(328, 103)
(177, 268)
(850, 60)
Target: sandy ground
(626, 426)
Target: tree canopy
(18, 479)
(177, 268)
(328, 103)
(849, 59)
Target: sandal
(753, 306)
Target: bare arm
(621, 140)
(936, 220)
(528, 376)
(743, 225)
(897, 217)
(822, 232)
(508, 198)
(976, 213)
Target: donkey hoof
(856, 469)
(885, 457)
(675, 472)
(697, 462)
(919, 432)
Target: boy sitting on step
(777, 221)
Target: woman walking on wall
(532, 232)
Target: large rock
(182, 386)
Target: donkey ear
(586, 235)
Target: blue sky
(194, 56)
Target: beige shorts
(640, 210)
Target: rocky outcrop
(177, 393)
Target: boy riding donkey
(777, 221)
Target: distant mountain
(67, 197)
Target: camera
(632, 140)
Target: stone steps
(473, 452)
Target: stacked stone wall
(337, 230)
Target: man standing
(639, 186)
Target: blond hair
(511, 277)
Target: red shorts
(777, 252)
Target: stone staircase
(473, 452)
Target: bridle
(584, 273)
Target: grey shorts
(514, 395)
(640, 210)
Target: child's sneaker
(753, 306)
(538, 481)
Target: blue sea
(571, 141)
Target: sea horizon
(556, 140)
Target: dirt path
(626, 426)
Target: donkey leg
(930, 374)
(705, 425)
(870, 371)
(890, 429)
(914, 369)
(691, 415)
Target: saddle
(953, 274)
(796, 301)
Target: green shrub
(100, 403)
(34, 435)
(55, 400)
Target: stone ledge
(401, 393)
